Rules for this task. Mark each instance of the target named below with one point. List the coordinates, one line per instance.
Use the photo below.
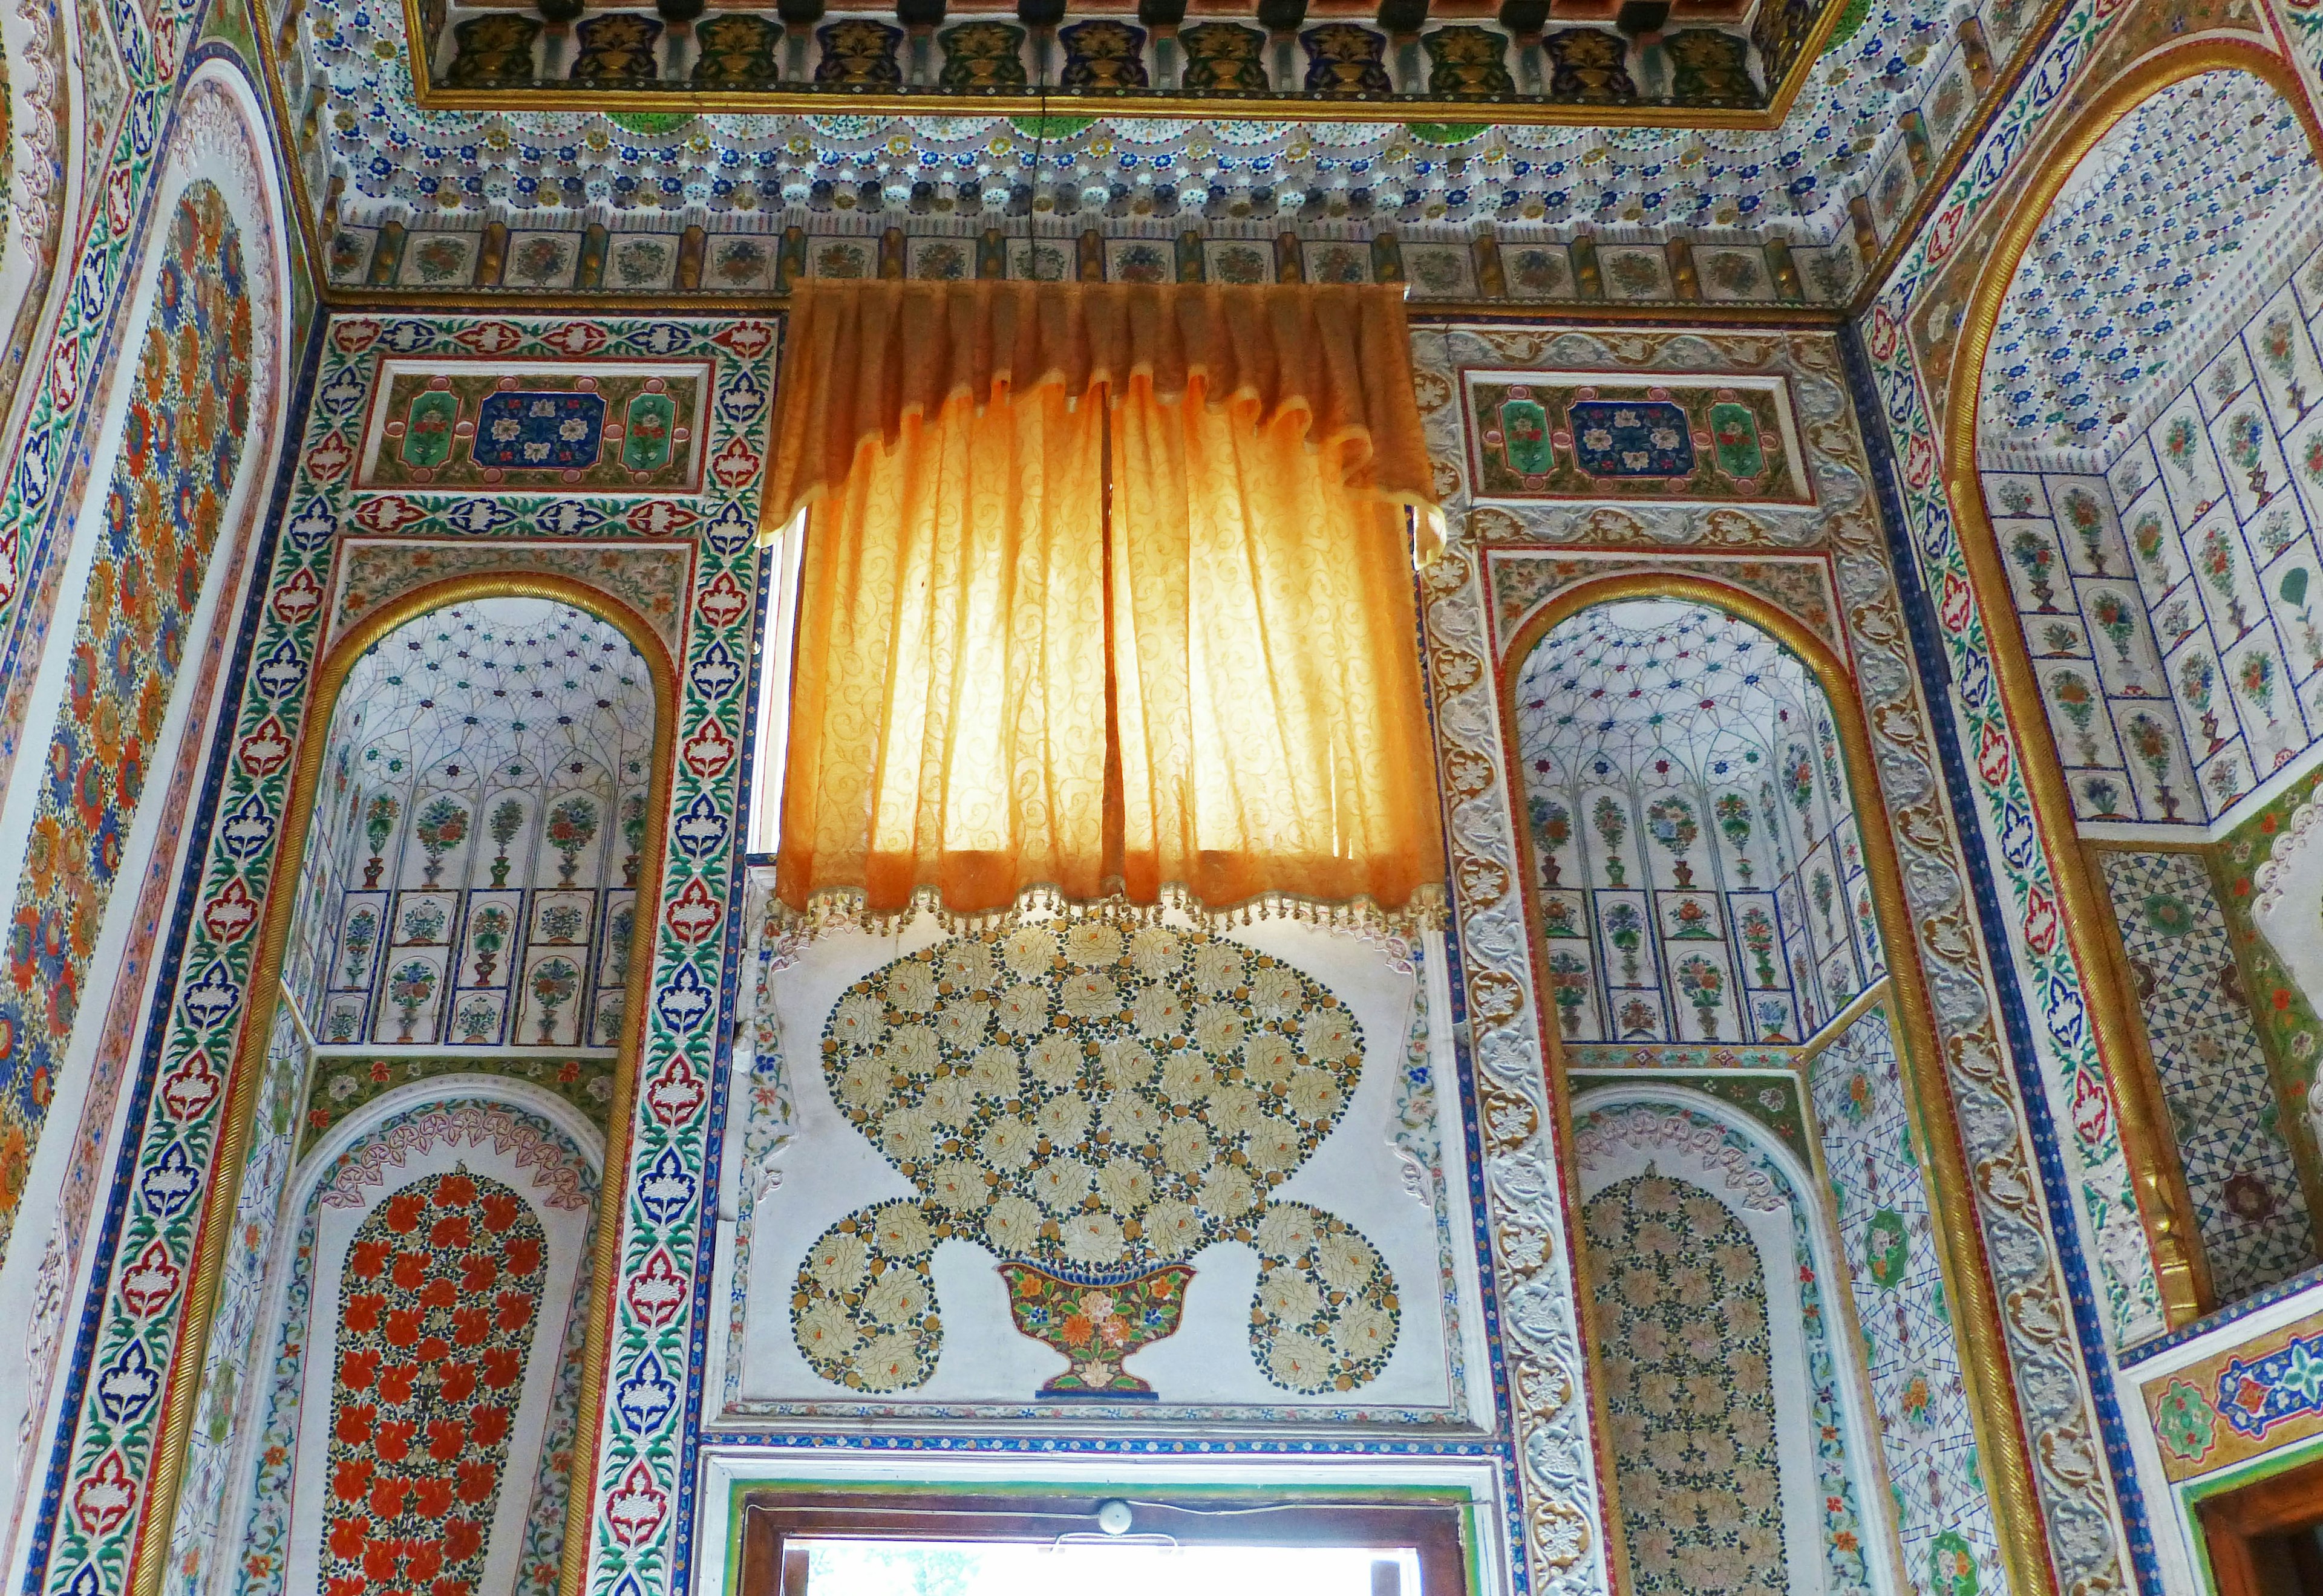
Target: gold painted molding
(1583, 314)
(1992, 1403)
(150, 1562)
(2163, 1204)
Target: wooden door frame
(2232, 1520)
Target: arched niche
(1732, 1396)
(2144, 424)
(415, 898)
(467, 872)
(2144, 413)
(1694, 687)
(1702, 873)
(431, 1271)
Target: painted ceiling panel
(516, 687)
(1661, 692)
(1895, 85)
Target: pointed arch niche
(1702, 873)
(1794, 1334)
(1735, 1417)
(447, 1056)
(2136, 438)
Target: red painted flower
(409, 1449)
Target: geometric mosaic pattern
(2249, 1204)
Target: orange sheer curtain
(947, 705)
(969, 624)
(1271, 734)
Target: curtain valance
(861, 356)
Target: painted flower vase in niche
(508, 819)
(1092, 1105)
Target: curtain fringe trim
(846, 909)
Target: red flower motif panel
(436, 1311)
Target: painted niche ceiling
(1648, 689)
(1750, 917)
(520, 685)
(2153, 252)
(1896, 75)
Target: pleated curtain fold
(1106, 591)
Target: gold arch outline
(150, 1561)
(2181, 1272)
(1992, 1404)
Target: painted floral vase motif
(1096, 1323)
(1092, 1103)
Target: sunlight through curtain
(1207, 692)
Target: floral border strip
(1562, 1510)
(139, 1319)
(37, 490)
(2300, 24)
(2063, 1416)
(2028, 1209)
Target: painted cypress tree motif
(508, 819)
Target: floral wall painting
(624, 426)
(1740, 1442)
(471, 874)
(1607, 436)
(2155, 497)
(1701, 877)
(2157, 535)
(1086, 1166)
(183, 442)
(414, 1426)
